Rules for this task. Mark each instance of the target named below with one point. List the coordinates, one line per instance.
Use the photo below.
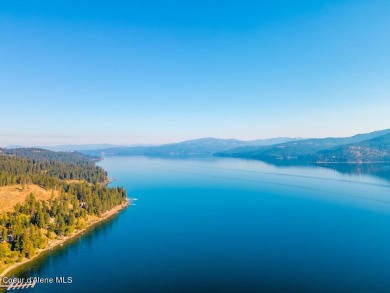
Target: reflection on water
(232, 225)
(45, 261)
(376, 170)
(379, 170)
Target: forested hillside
(42, 167)
(34, 223)
(372, 150)
(43, 154)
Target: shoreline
(59, 242)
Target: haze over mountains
(197, 147)
(368, 147)
(72, 147)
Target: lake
(231, 225)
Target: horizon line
(180, 141)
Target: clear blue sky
(161, 71)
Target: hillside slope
(304, 150)
(373, 150)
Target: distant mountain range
(360, 148)
(369, 147)
(197, 147)
(72, 147)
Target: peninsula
(47, 198)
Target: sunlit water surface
(231, 225)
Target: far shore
(58, 242)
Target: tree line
(44, 169)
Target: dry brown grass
(13, 194)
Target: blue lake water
(231, 225)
